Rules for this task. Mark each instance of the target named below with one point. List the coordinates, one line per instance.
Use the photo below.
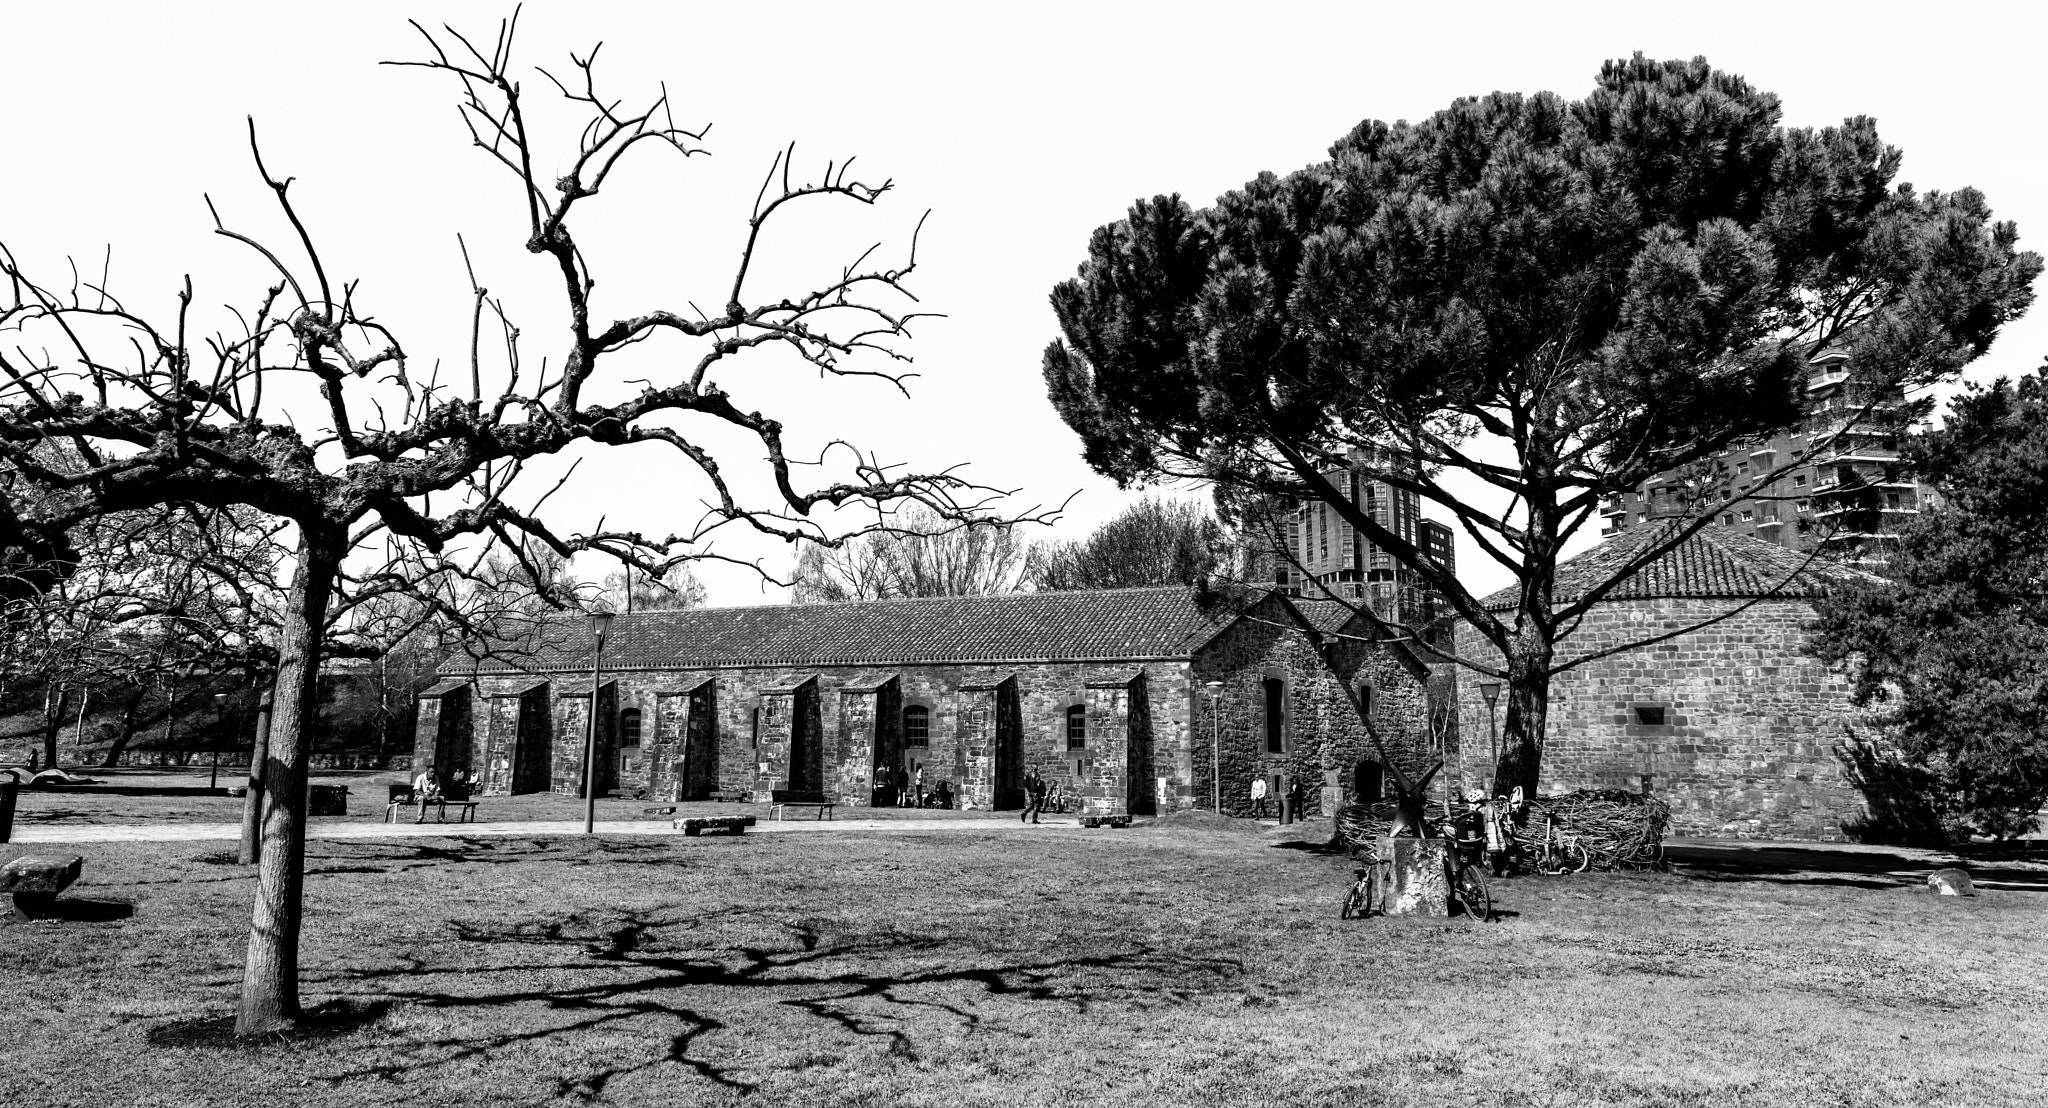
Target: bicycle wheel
(1470, 889)
(1357, 901)
(1573, 857)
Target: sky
(1018, 128)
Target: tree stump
(1418, 882)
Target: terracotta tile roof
(1712, 563)
(1109, 624)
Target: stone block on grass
(34, 880)
(1951, 882)
(1419, 877)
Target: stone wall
(1322, 736)
(722, 713)
(1748, 746)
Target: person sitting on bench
(426, 788)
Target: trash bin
(7, 787)
(327, 800)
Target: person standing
(1259, 797)
(1034, 796)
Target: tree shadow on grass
(404, 855)
(639, 966)
(73, 909)
(328, 1021)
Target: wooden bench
(34, 880)
(731, 825)
(780, 800)
(402, 797)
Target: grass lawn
(1130, 968)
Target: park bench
(780, 800)
(731, 825)
(403, 797)
(34, 880)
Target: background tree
(434, 466)
(633, 590)
(1516, 308)
(1156, 541)
(917, 553)
(149, 614)
(1954, 651)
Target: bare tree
(632, 590)
(434, 467)
(921, 553)
(150, 611)
(1156, 541)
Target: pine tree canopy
(1617, 284)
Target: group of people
(912, 793)
(1261, 792)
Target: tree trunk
(56, 705)
(1521, 744)
(130, 717)
(270, 978)
(1532, 647)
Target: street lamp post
(600, 622)
(220, 703)
(1491, 691)
(1215, 746)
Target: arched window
(1276, 715)
(917, 725)
(629, 727)
(1077, 727)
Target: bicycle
(1559, 852)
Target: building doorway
(806, 744)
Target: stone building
(1728, 721)
(1133, 699)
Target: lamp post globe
(1491, 691)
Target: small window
(1748, 515)
(917, 726)
(1276, 715)
(1650, 716)
(1799, 480)
(1803, 506)
(1727, 521)
(629, 727)
(1077, 728)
